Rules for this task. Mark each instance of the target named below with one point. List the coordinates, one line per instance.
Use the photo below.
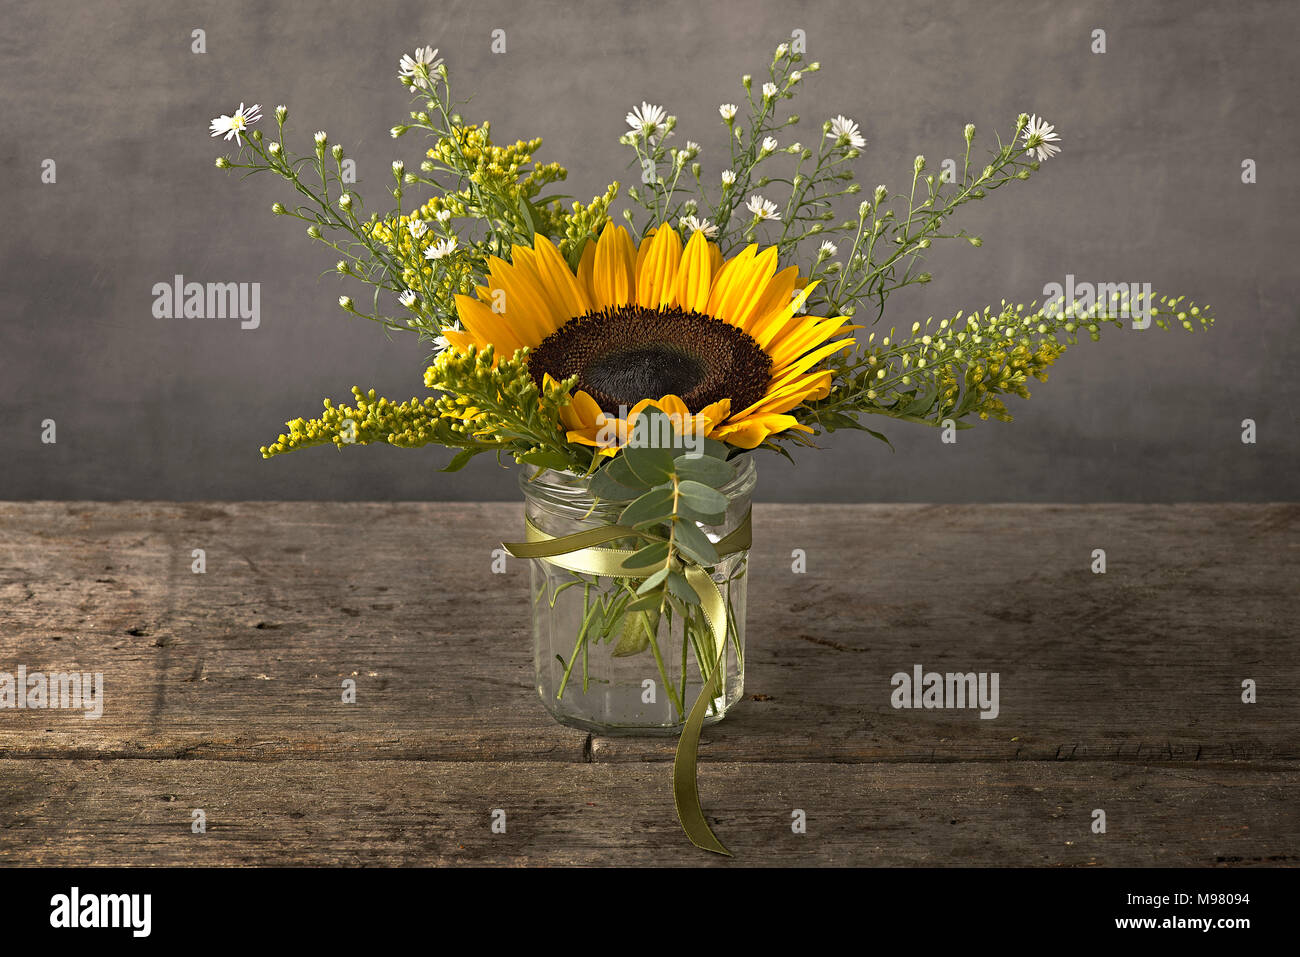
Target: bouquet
(634, 368)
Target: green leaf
(655, 505)
(702, 500)
(638, 628)
(527, 215)
(608, 490)
(575, 254)
(656, 553)
(831, 421)
(645, 602)
(547, 460)
(705, 469)
(653, 582)
(461, 460)
(715, 449)
(622, 473)
(693, 543)
(922, 402)
(652, 466)
(681, 588)
(880, 436)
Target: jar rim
(571, 489)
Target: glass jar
(613, 672)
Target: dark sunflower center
(625, 354)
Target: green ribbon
(581, 553)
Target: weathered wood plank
(1143, 663)
(416, 813)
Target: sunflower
(675, 327)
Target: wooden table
(223, 691)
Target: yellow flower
(667, 325)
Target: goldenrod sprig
(964, 365)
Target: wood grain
(302, 812)
(1131, 679)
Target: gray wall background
(1147, 189)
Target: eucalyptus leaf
(704, 469)
(681, 588)
(606, 489)
(701, 499)
(716, 449)
(655, 505)
(651, 465)
(653, 582)
(694, 544)
(647, 601)
(656, 553)
(619, 471)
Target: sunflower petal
(726, 277)
(656, 281)
(485, 326)
(752, 432)
(613, 281)
(747, 294)
(695, 275)
(558, 279)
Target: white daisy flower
(1039, 136)
(408, 298)
(419, 65)
(237, 124)
(647, 118)
(829, 248)
(727, 111)
(693, 148)
(782, 49)
(691, 224)
(441, 249)
(440, 342)
(769, 90)
(345, 201)
(762, 208)
(728, 177)
(796, 76)
(442, 215)
(843, 128)
(418, 228)
(769, 144)
(321, 137)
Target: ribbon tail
(686, 791)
